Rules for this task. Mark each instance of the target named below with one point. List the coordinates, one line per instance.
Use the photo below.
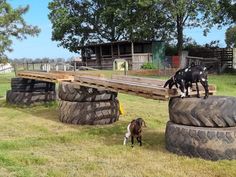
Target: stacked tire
(29, 91)
(204, 128)
(87, 106)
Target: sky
(43, 46)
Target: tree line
(80, 22)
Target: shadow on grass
(109, 135)
(112, 135)
(42, 110)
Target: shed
(102, 56)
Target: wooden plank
(78, 73)
(151, 81)
(49, 77)
(122, 85)
(150, 96)
(211, 87)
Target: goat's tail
(144, 124)
(168, 82)
(208, 68)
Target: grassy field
(34, 143)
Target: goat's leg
(127, 135)
(125, 140)
(198, 95)
(139, 139)
(132, 141)
(187, 91)
(205, 85)
(182, 89)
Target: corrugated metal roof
(116, 42)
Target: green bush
(148, 66)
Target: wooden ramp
(140, 86)
(145, 87)
(54, 76)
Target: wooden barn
(102, 56)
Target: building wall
(158, 54)
(7, 68)
(142, 53)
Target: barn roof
(117, 42)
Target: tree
(83, 22)
(228, 11)
(12, 25)
(142, 21)
(228, 16)
(230, 37)
(188, 13)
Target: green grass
(34, 143)
(5, 80)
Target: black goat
(184, 78)
(134, 129)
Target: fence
(45, 66)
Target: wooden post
(41, 66)
(33, 65)
(112, 52)
(132, 53)
(118, 48)
(48, 67)
(74, 66)
(27, 65)
(101, 56)
(125, 71)
(15, 68)
(234, 58)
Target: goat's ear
(168, 82)
(144, 124)
(176, 85)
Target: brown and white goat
(134, 129)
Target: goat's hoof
(198, 96)
(205, 97)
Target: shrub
(148, 66)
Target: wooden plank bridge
(140, 86)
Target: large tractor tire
(203, 142)
(68, 92)
(28, 98)
(215, 111)
(89, 113)
(31, 85)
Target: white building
(6, 68)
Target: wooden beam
(118, 52)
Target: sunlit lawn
(34, 143)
